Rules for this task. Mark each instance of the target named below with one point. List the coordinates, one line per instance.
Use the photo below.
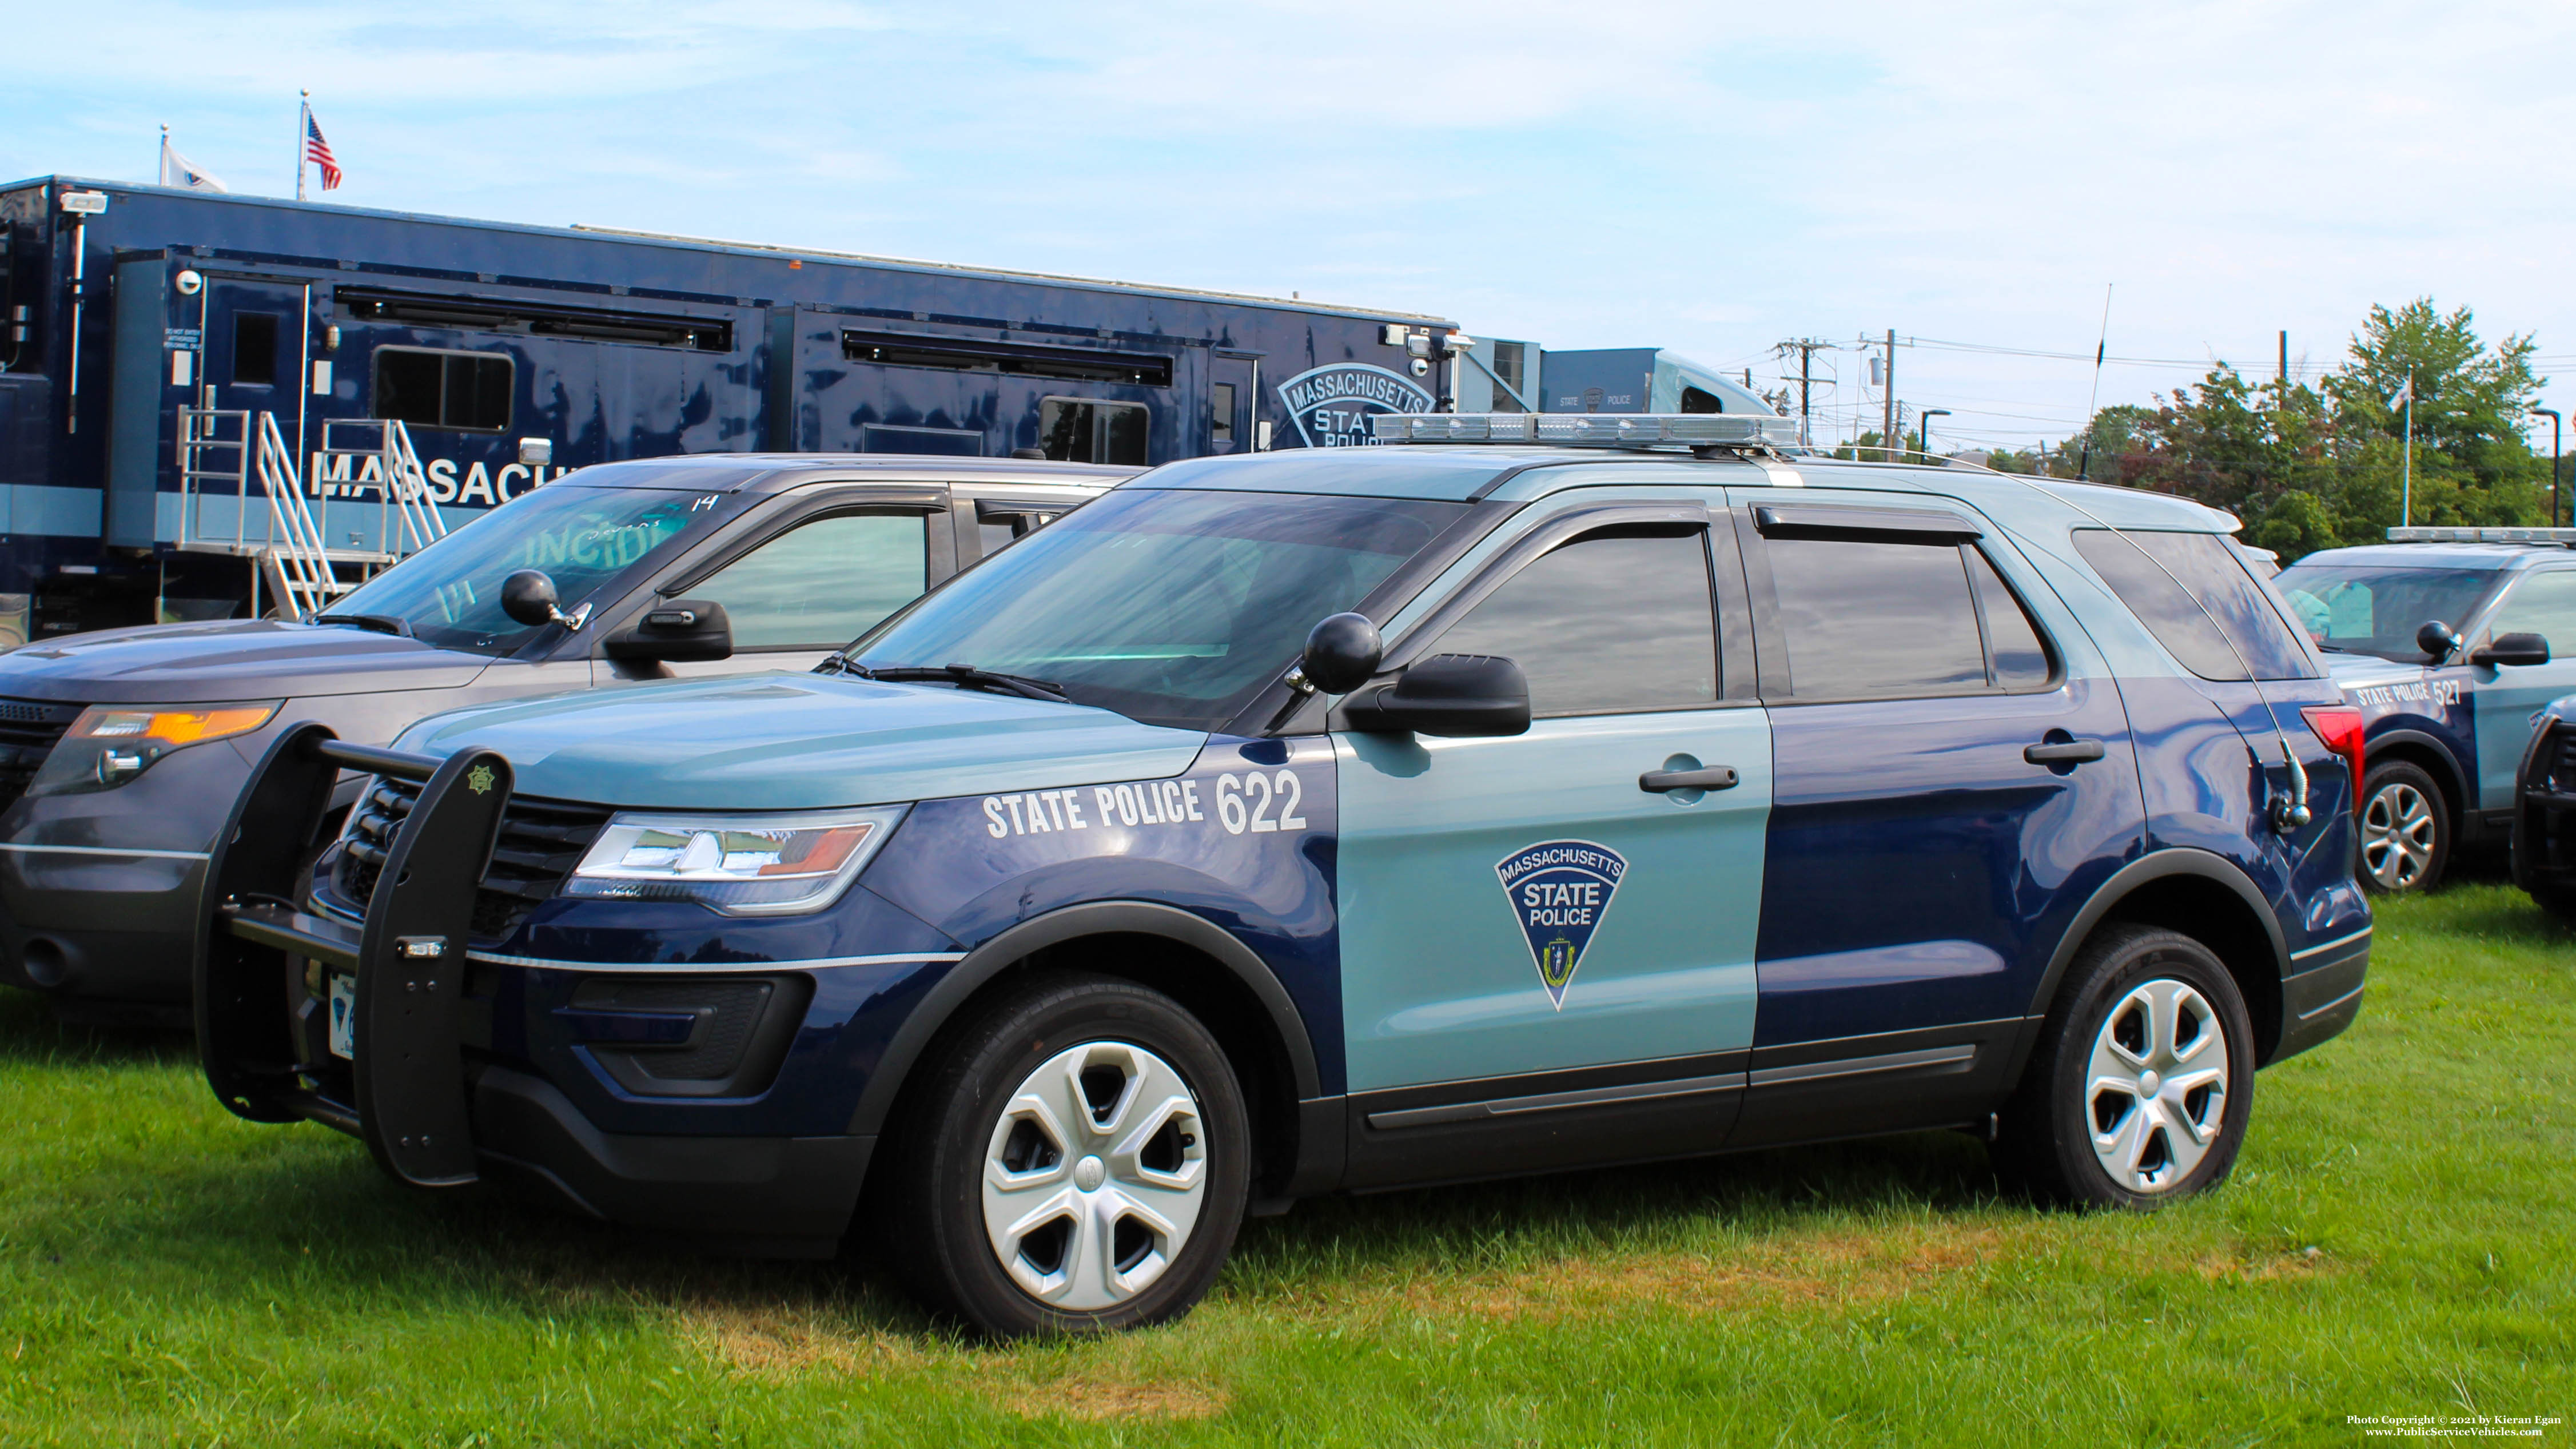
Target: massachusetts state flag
(318, 151)
(178, 170)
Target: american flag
(318, 151)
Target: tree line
(2321, 466)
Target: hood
(2356, 671)
(801, 742)
(228, 659)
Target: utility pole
(1887, 428)
(2285, 362)
(1806, 348)
(2552, 415)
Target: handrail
(422, 525)
(408, 520)
(304, 563)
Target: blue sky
(1711, 178)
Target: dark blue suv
(1528, 794)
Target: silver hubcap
(2156, 1094)
(2397, 836)
(1095, 1175)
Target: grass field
(2399, 1238)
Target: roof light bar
(1669, 431)
(2483, 535)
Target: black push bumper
(431, 1117)
(2544, 813)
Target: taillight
(2339, 727)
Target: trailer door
(258, 351)
(1233, 402)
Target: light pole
(2406, 465)
(2552, 415)
(1923, 429)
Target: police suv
(1534, 793)
(122, 750)
(2442, 637)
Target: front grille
(29, 730)
(541, 841)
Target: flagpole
(303, 125)
(161, 171)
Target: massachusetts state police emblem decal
(1332, 404)
(1560, 891)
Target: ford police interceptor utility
(1545, 792)
(122, 750)
(2442, 637)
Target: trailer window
(255, 349)
(466, 391)
(1221, 412)
(1078, 430)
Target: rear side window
(1609, 622)
(2019, 659)
(2188, 587)
(1867, 617)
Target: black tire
(2400, 853)
(2047, 1136)
(2559, 901)
(930, 1188)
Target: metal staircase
(291, 557)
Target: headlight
(743, 865)
(111, 744)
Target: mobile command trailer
(198, 391)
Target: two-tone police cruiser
(1540, 793)
(2442, 637)
(122, 750)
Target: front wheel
(2405, 829)
(2140, 1090)
(1076, 1161)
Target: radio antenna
(2092, 408)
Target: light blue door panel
(2502, 701)
(1441, 981)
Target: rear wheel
(1076, 1161)
(2140, 1089)
(2405, 829)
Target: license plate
(344, 1017)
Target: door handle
(2063, 752)
(1715, 777)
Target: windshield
(2376, 608)
(450, 593)
(1168, 606)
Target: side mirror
(2437, 641)
(1341, 653)
(529, 597)
(2513, 649)
(682, 631)
(1457, 695)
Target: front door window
(822, 584)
